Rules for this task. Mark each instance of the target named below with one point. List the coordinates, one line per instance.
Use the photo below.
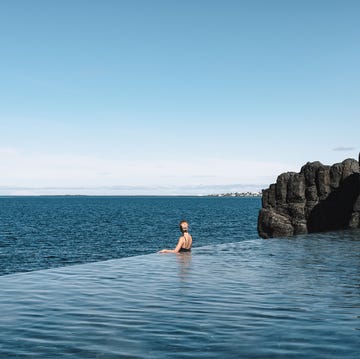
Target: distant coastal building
(237, 194)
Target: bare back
(187, 241)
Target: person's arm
(177, 248)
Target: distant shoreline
(237, 194)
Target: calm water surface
(281, 298)
(289, 298)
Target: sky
(123, 97)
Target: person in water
(185, 241)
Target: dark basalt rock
(319, 198)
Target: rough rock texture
(319, 198)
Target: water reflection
(184, 265)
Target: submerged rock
(318, 198)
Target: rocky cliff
(319, 198)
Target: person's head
(184, 226)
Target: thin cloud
(342, 148)
(8, 151)
(204, 176)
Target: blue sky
(174, 97)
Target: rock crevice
(319, 198)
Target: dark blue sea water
(45, 232)
(233, 296)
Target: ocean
(80, 278)
(46, 232)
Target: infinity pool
(285, 298)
